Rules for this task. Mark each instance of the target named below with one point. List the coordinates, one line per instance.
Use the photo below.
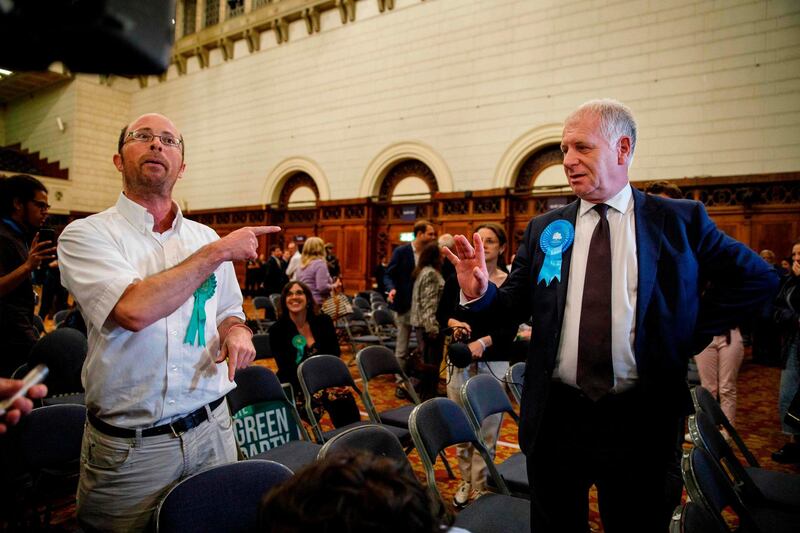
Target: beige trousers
(470, 463)
(123, 480)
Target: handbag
(336, 306)
(340, 404)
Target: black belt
(176, 428)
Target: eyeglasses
(44, 206)
(296, 293)
(167, 139)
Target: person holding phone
(16, 396)
(23, 210)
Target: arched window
(543, 168)
(408, 180)
(299, 191)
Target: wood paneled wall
(762, 211)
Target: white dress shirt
(294, 264)
(150, 377)
(624, 283)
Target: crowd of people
(167, 330)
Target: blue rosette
(554, 241)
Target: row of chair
(235, 507)
(258, 384)
(716, 480)
(435, 425)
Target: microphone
(460, 355)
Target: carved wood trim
(403, 170)
(535, 163)
(761, 211)
(297, 180)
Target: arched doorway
(409, 180)
(403, 195)
(542, 169)
(299, 191)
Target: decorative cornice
(253, 19)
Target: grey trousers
(122, 480)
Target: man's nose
(570, 158)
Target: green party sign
(263, 426)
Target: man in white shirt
(613, 282)
(166, 332)
(294, 261)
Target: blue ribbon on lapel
(554, 241)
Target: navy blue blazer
(678, 250)
(398, 277)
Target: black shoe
(400, 393)
(789, 454)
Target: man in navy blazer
(398, 282)
(676, 281)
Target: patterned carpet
(757, 414)
(758, 424)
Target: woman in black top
(300, 332)
(484, 341)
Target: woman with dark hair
(484, 341)
(354, 492)
(300, 332)
(425, 296)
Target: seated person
(353, 492)
(300, 332)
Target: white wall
(31, 121)
(93, 115)
(715, 87)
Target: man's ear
(180, 172)
(118, 161)
(19, 205)
(623, 150)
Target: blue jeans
(790, 382)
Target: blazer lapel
(649, 225)
(570, 215)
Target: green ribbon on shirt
(196, 332)
(299, 342)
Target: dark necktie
(595, 368)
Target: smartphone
(34, 377)
(47, 234)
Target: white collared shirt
(624, 283)
(150, 377)
(294, 264)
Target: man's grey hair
(616, 119)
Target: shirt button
(173, 332)
(171, 402)
(174, 368)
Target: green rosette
(299, 342)
(196, 332)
